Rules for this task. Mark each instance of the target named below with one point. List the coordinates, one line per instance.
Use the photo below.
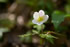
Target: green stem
(42, 28)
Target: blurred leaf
(42, 35)
(3, 0)
(62, 28)
(6, 23)
(51, 40)
(30, 23)
(35, 32)
(68, 1)
(1, 33)
(50, 6)
(67, 9)
(41, 4)
(27, 2)
(3, 30)
(67, 15)
(49, 37)
(57, 18)
(26, 37)
(39, 27)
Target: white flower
(39, 17)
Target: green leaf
(68, 2)
(1, 33)
(67, 15)
(26, 37)
(6, 23)
(3, 0)
(41, 4)
(35, 32)
(3, 30)
(67, 8)
(30, 23)
(27, 2)
(42, 35)
(39, 27)
(57, 18)
(50, 38)
(50, 6)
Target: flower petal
(46, 18)
(39, 23)
(34, 21)
(35, 15)
(41, 13)
(39, 18)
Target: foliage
(6, 23)
(3, 0)
(57, 18)
(2, 30)
(57, 10)
(49, 37)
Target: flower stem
(42, 28)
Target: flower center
(40, 19)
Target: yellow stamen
(40, 19)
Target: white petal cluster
(39, 17)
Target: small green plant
(39, 19)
